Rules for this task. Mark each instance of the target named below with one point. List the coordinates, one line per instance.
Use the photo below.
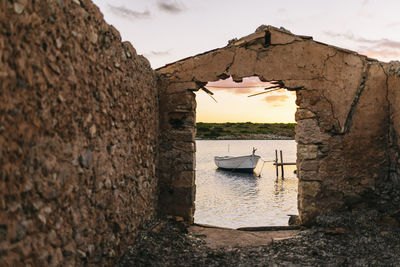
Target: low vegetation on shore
(245, 130)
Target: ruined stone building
(94, 143)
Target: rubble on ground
(356, 239)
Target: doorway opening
(238, 117)
(335, 89)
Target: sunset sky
(165, 31)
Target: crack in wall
(290, 43)
(333, 115)
(329, 57)
(388, 154)
(392, 150)
(324, 64)
(229, 65)
(323, 92)
(360, 89)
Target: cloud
(382, 54)
(248, 86)
(234, 90)
(378, 48)
(365, 2)
(347, 36)
(393, 24)
(380, 42)
(276, 100)
(158, 53)
(366, 10)
(129, 13)
(389, 43)
(281, 10)
(173, 7)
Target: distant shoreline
(249, 137)
(245, 131)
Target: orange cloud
(276, 100)
(382, 54)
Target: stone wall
(390, 187)
(340, 166)
(176, 170)
(342, 117)
(78, 136)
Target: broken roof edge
(261, 33)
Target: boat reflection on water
(236, 174)
(239, 185)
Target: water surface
(234, 200)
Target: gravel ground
(349, 239)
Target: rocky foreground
(351, 239)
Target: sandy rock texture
(78, 136)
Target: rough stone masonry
(78, 136)
(347, 120)
(93, 141)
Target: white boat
(241, 164)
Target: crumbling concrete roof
(269, 35)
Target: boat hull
(239, 164)
(242, 170)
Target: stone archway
(342, 141)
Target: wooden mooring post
(282, 171)
(281, 164)
(276, 161)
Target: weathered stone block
(309, 189)
(306, 205)
(183, 179)
(302, 113)
(178, 202)
(308, 165)
(184, 146)
(180, 87)
(308, 132)
(187, 135)
(185, 101)
(180, 120)
(309, 175)
(185, 157)
(305, 152)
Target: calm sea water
(234, 200)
